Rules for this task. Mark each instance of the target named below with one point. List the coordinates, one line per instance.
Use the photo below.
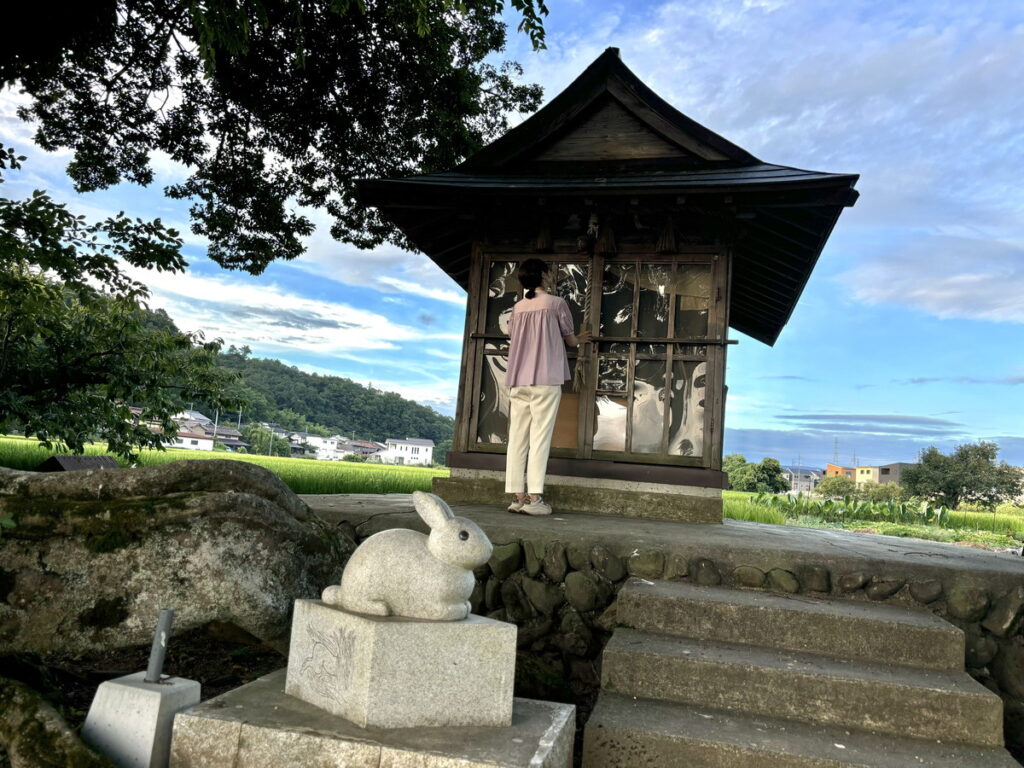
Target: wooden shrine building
(661, 236)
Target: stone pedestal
(391, 672)
(130, 720)
(259, 726)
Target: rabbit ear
(431, 508)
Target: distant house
(834, 470)
(412, 450)
(366, 447)
(802, 479)
(866, 475)
(192, 441)
(193, 416)
(893, 473)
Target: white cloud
(439, 394)
(947, 277)
(273, 320)
(406, 286)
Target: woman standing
(539, 331)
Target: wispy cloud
(865, 418)
(978, 278)
(271, 319)
(1011, 381)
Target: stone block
(130, 720)
(259, 726)
(392, 672)
(506, 559)
(647, 564)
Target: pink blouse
(536, 352)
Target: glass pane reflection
(648, 411)
(652, 314)
(617, 300)
(686, 432)
(573, 280)
(610, 427)
(611, 375)
(502, 291)
(693, 297)
(492, 423)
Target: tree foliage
(969, 474)
(77, 349)
(262, 441)
(836, 487)
(270, 104)
(764, 477)
(326, 405)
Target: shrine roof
(608, 135)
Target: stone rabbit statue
(399, 572)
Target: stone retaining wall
(562, 597)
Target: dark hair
(531, 275)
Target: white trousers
(532, 413)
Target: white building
(192, 441)
(802, 479)
(332, 448)
(412, 450)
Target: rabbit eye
(463, 535)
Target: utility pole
(835, 451)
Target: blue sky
(910, 331)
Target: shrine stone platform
(668, 549)
(260, 726)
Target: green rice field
(301, 475)
(1001, 529)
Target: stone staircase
(720, 678)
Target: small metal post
(160, 638)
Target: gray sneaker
(516, 505)
(538, 507)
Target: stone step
(919, 703)
(624, 732)
(842, 629)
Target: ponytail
(531, 276)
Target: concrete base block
(593, 496)
(259, 726)
(130, 720)
(391, 672)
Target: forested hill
(309, 402)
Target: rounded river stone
(578, 556)
(967, 603)
(585, 591)
(533, 557)
(555, 563)
(815, 578)
(705, 573)
(782, 580)
(607, 564)
(647, 564)
(543, 596)
(927, 591)
(881, 587)
(980, 648)
(1004, 617)
(851, 582)
(1008, 669)
(677, 566)
(748, 576)
(506, 559)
